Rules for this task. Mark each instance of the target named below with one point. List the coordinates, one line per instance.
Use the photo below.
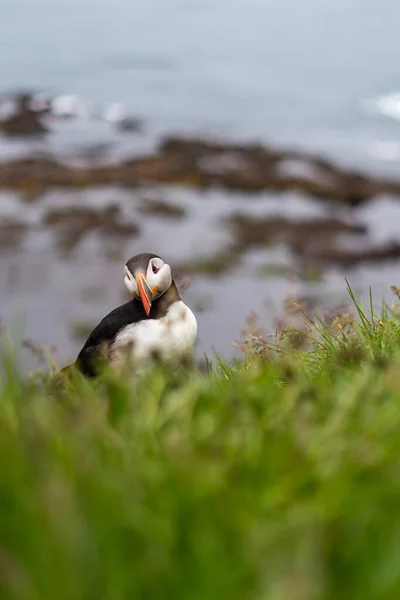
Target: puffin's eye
(155, 270)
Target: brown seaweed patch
(12, 233)
(315, 243)
(203, 164)
(251, 231)
(25, 121)
(161, 209)
(74, 223)
(349, 258)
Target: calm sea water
(295, 72)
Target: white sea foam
(388, 105)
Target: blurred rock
(116, 114)
(249, 232)
(368, 254)
(72, 224)
(24, 121)
(12, 233)
(205, 164)
(158, 208)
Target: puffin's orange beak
(145, 292)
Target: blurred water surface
(305, 73)
(291, 71)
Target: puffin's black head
(147, 277)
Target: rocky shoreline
(204, 164)
(196, 164)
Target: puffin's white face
(147, 279)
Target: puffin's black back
(106, 331)
(119, 318)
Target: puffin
(154, 325)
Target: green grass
(278, 478)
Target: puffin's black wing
(104, 334)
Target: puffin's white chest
(169, 338)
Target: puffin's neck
(160, 307)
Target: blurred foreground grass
(276, 479)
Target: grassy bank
(276, 479)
